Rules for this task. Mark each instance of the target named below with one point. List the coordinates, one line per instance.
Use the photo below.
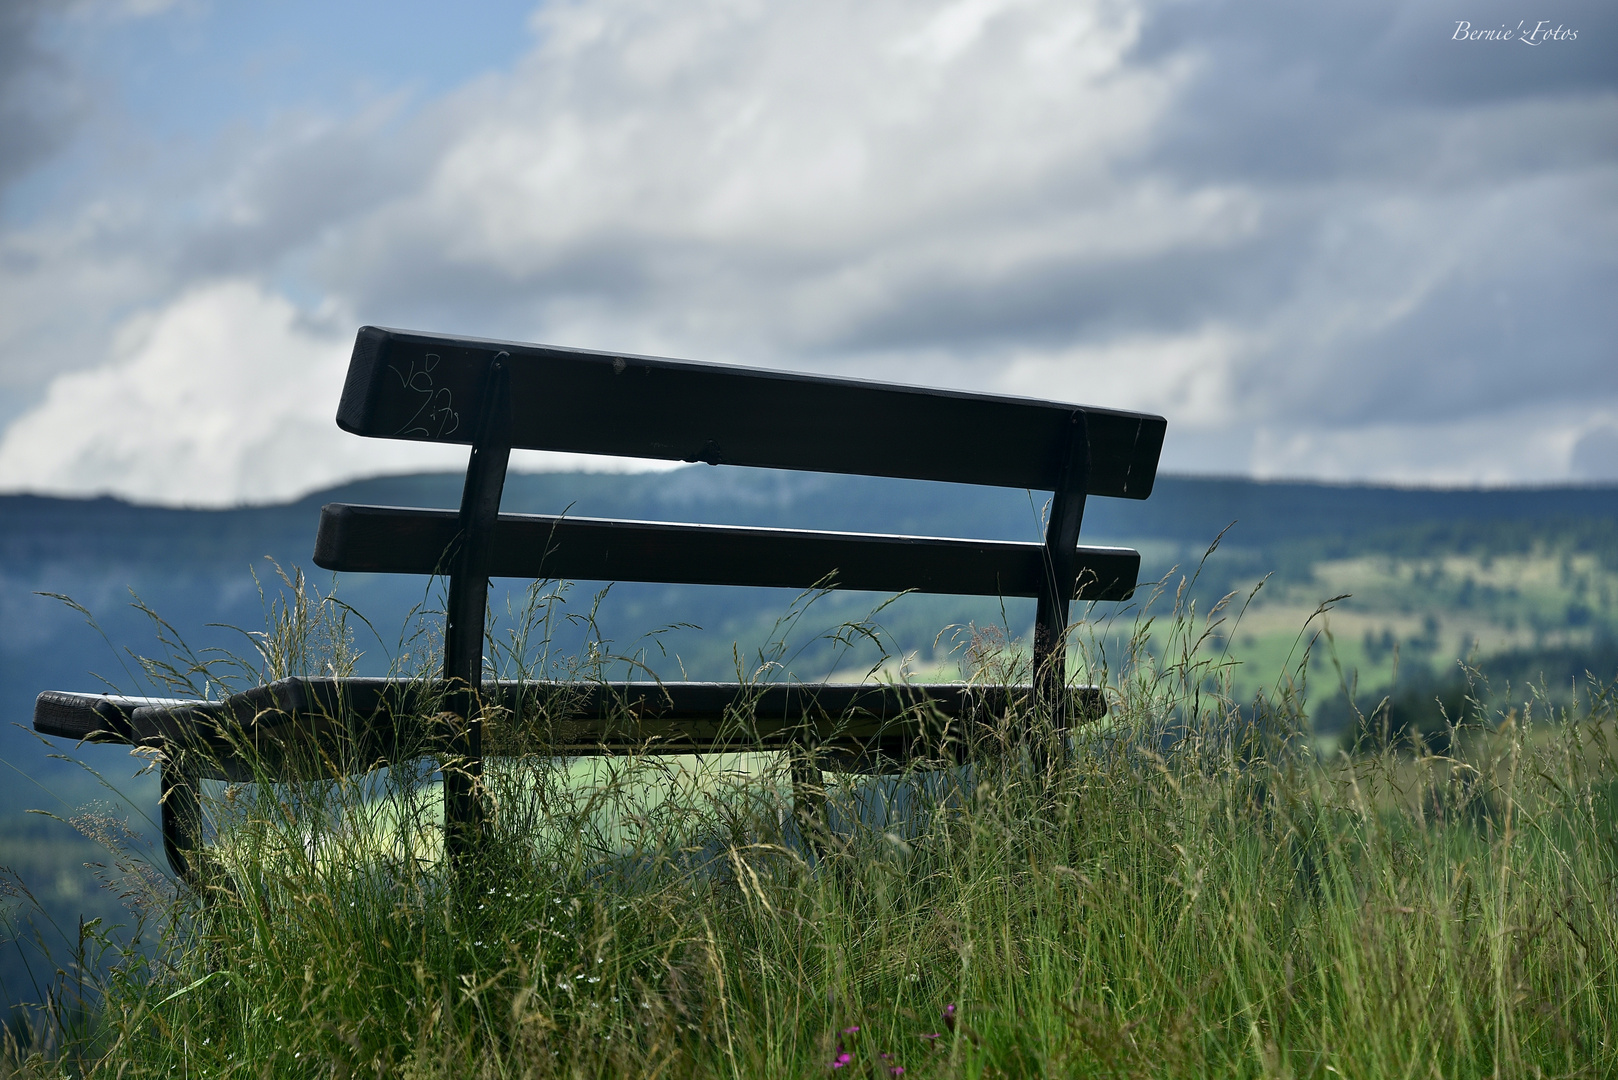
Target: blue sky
(1326, 239)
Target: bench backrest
(404, 385)
(496, 396)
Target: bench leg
(182, 818)
(809, 799)
(1061, 562)
(465, 819)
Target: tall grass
(1182, 889)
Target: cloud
(1188, 375)
(224, 396)
(40, 99)
(1501, 447)
(812, 185)
(1595, 454)
(1322, 238)
(787, 180)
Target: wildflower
(843, 1056)
(949, 1017)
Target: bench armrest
(97, 718)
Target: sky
(1346, 240)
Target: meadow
(1192, 886)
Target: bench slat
(279, 702)
(407, 385)
(312, 727)
(400, 540)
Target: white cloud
(1509, 445)
(224, 396)
(800, 140)
(1595, 452)
(1187, 376)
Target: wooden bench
(496, 396)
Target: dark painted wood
(464, 815)
(310, 728)
(180, 812)
(96, 718)
(1061, 560)
(399, 540)
(277, 704)
(407, 385)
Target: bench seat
(321, 728)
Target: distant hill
(1267, 512)
(1182, 508)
